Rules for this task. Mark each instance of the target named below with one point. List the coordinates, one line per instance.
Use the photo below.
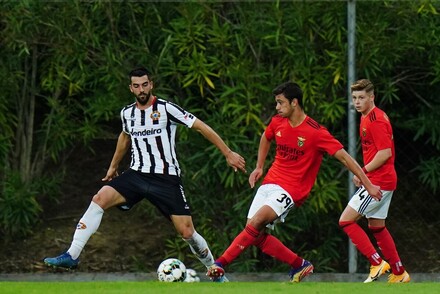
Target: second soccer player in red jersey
(378, 152)
(300, 146)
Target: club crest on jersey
(278, 134)
(155, 115)
(364, 132)
(301, 141)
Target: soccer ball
(191, 276)
(171, 270)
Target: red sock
(388, 248)
(241, 242)
(361, 241)
(273, 247)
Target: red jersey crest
(301, 141)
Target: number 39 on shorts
(286, 200)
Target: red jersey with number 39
(376, 134)
(299, 152)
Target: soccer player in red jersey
(378, 152)
(300, 146)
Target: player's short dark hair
(361, 85)
(290, 90)
(139, 72)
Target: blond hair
(361, 85)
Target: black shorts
(163, 191)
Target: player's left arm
(235, 160)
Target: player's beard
(143, 98)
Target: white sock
(86, 227)
(200, 248)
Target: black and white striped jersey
(153, 133)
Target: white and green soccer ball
(191, 276)
(171, 270)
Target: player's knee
(186, 234)
(184, 226)
(185, 231)
(100, 199)
(258, 223)
(106, 198)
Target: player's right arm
(355, 168)
(122, 147)
(263, 150)
(379, 159)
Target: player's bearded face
(142, 98)
(141, 87)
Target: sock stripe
(376, 229)
(252, 231)
(345, 224)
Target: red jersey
(376, 134)
(299, 152)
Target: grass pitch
(207, 287)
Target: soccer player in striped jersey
(148, 131)
(377, 141)
(300, 146)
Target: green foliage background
(63, 81)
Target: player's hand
(375, 192)
(356, 181)
(255, 176)
(236, 161)
(111, 174)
